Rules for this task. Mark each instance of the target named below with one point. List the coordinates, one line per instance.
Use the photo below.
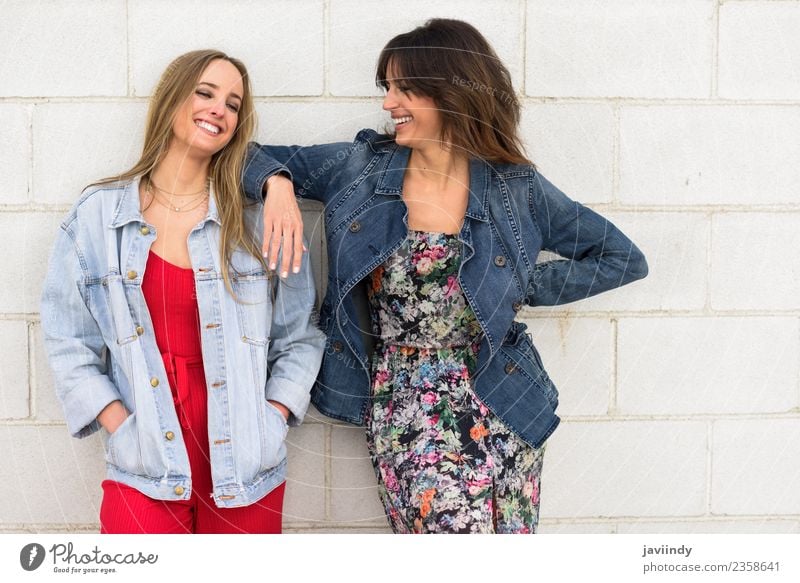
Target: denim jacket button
(144, 230)
(337, 346)
(169, 435)
(132, 274)
(154, 382)
(179, 490)
(500, 261)
(510, 368)
(139, 330)
(355, 227)
(516, 306)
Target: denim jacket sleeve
(597, 256)
(296, 344)
(73, 340)
(310, 167)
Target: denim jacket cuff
(84, 402)
(258, 168)
(294, 396)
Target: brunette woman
(439, 224)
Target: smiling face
(416, 118)
(206, 121)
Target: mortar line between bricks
(326, 39)
(616, 149)
(523, 5)
(129, 77)
(328, 473)
(587, 314)
(709, 463)
(798, 372)
(526, 100)
(31, 372)
(612, 406)
(709, 254)
(715, 55)
(776, 208)
(653, 417)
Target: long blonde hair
(175, 86)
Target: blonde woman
(164, 327)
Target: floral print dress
(444, 462)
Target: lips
(208, 127)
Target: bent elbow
(637, 266)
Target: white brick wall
(676, 119)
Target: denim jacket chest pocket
(108, 302)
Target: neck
(180, 172)
(437, 165)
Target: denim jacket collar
(391, 181)
(128, 210)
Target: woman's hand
(282, 408)
(283, 226)
(112, 416)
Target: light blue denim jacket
(513, 213)
(98, 335)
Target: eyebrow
(214, 86)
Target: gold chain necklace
(189, 205)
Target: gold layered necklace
(167, 199)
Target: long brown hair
(452, 63)
(175, 86)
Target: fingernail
(285, 274)
(272, 266)
(305, 248)
(296, 270)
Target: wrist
(275, 178)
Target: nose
(217, 109)
(389, 101)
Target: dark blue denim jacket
(512, 214)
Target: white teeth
(399, 120)
(207, 126)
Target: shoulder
(377, 143)
(507, 171)
(96, 205)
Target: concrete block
(573, 146)
(48, 407)
(354, 487)
(14, 386)
(546, 527)
(676, 248)
(75, 144)
(757, 526)
(708, 154)
(755, 467)
(607, 469)
(753, 263)
(15, 152)
(29, 239)
(581, 48)
(317, 122)
(63, 48)
(358, 35)
(280, 42)
(578, 355)
(305, 482)
(707, 365)
(49, 477)
(759, 50)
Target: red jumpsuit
(170, 295)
